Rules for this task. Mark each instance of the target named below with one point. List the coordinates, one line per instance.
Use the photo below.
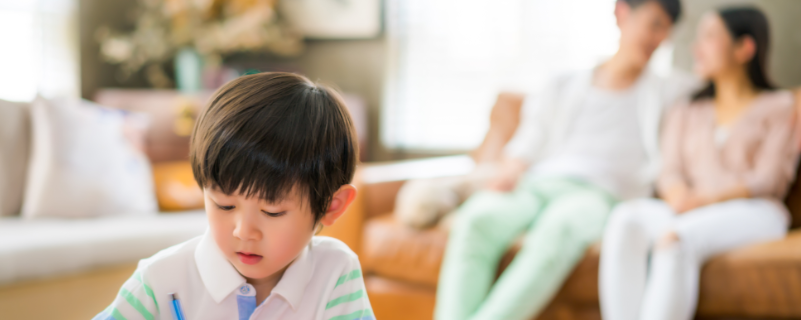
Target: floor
(72, 297)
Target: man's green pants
(560, 218)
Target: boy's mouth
(248, 258)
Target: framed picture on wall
(334, 19)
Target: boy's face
(642, 29)
(257, 237)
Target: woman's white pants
(667, 287)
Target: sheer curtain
(448, 59)
(39, 52)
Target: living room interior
(435, 89)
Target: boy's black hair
(272, 133)
(672, 7)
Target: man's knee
(476, 215)
(579, 209)
(575, 220)
(482, 203)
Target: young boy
(274, 154)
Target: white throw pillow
(14, 146)
(84, 163)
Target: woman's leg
(629, 235)
(699, 234)
(569, 223)
(484, 228)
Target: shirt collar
(296, 277)
(216, 272)
(221, 278)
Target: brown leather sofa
(401, 265)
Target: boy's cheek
(283, 243)
(222, 236)
(222, 230)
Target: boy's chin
(253, 271)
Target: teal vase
(188, 71)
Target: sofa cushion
(762, 280)
(86, 160)
(395, 251)
(40, 248)
(14, 147)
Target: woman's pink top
(759, 150)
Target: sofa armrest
(378, 184)
(381, 181)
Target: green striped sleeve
(346, 298)
(148, 290)
(134, 301)
(136, 304)
(117, 315)
(355, 274)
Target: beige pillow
(86, 161)
(14, 146)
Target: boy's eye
(225, 208)
(274, 214)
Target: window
(39, 49)
(449, 59)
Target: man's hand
(507, 178)
(503, 182)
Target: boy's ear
(339, 203)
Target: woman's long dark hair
(741, 22)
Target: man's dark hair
(272, 133)
(672, 7)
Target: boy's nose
(247, 227)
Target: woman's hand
(677, 197)
(507, 178)
(686, 201)
(682, 199)
(691, 201)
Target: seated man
(589, 141)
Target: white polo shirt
(323, 283)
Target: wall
(358, 66)
(95, 73)
(785, 24)
(354, 66)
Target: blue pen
(177, 312)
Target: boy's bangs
(234, 169)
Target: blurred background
(420, 78)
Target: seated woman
(729, 157)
